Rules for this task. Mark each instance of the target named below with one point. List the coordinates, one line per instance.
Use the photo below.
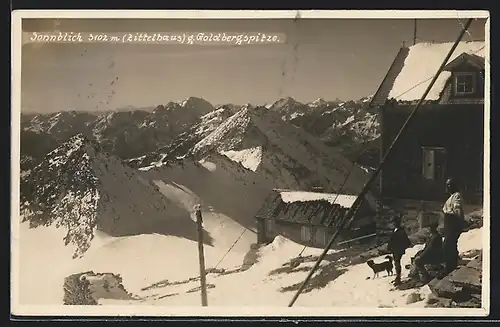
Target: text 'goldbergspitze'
(156, 38)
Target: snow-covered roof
(306, 207)
(408, 80)
(343, 200)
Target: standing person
(453, 224)
(397, 245)
(431, 254)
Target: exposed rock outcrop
(461, 288)
(88, 288)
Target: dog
(379, 267)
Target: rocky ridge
(80, 188)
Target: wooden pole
(372, 178)
(201, 257)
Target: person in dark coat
(432, 253)
(454, 222)
(397, 245)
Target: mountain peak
(160, 109)
(288, 100)
(199, 104)
(234, 125)
(289, 108)
(69, 150)
(192, 100)
(319, 102)
(68, 170)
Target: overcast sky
(342, 58)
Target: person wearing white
(453, 224)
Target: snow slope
(157, 267)
(151, 237)
(258, 140)
(231, 130)
(248, 158)
(223, 173)
(146, 258)
(182, 144)
(141, 260)
(219, 184)
(415, 77)
(336, 284)
(290, 156)
(80, 189)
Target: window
(270, 227)
(465, 83)
(320, 236)
(433, 163)
(305, 234)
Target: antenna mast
(414, 31)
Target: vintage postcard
(250, 163)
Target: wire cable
(229, 250)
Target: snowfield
(248, 158)
(141, 260)
(350, 289)
(144, 260)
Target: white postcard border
(158, 311)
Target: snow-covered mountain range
(135, 133)
(259, 140)
(253, 150)
(126, 134)
(351, 126)
(219, 156)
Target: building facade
(311, 218)
(446, 137)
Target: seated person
(430, 255)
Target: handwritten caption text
(205, 38)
